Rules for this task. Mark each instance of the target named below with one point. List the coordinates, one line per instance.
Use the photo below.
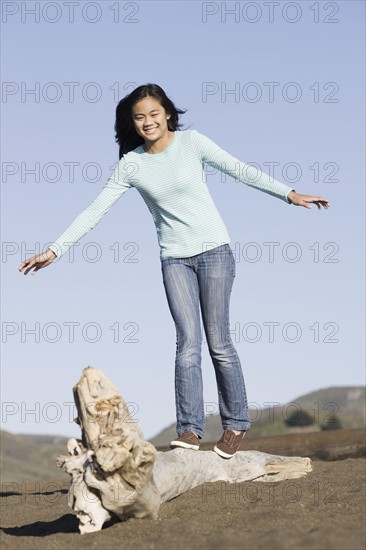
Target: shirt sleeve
(117, 184)
(210, 153)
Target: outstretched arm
(210, 153)
(117, 184)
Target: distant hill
(33, 457)
(348, 403)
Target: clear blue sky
(299, 80)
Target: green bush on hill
(333, 423)
(299, 418)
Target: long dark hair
(126, 135)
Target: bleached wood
(115, 472)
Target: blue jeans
(204, 280)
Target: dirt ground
(324, 510)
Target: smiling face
(150, 119)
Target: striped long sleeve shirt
(174, 188)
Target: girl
(166, 166)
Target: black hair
(126, 135)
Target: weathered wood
(115, 472)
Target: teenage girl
(166, 166)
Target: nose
(148, 123)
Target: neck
(159, 145)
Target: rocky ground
(324, 510)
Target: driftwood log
(115, 473)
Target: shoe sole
(184, 445)
(222, 453)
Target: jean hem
(234, 426)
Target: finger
(320, 199)
(30, 267)
(324, 203)
(40, 265)
(22, 265)
(37, 268)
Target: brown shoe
(229, 443)
(187, 440)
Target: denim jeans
(204, 282)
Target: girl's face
(150, 119)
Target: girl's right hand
(37, 262)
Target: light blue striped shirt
(173, 186)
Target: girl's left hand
(306, 200)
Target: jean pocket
(233, 264)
